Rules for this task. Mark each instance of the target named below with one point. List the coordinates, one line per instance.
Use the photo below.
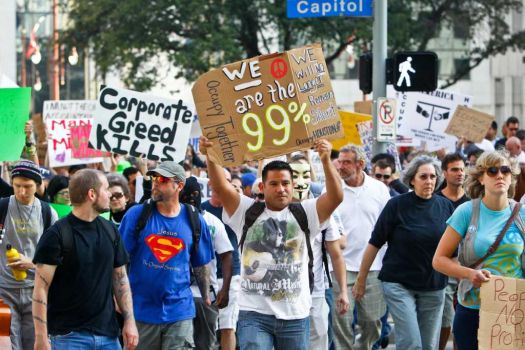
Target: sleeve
(221, 242)
(236, 221)
(205, 251)
(49, 248)
(460, 219)
(384, 225)
(310, 207)
(54, 215)
(127, 228)
(332, 231)
(121, 256)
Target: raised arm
(43, 277)
(330, 200)
(220, 185)
(122, 292)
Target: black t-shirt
(412, 227)
(457, 203)
(80, 296)
(398, 186)
(236, 263)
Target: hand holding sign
(324, 148)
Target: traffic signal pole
(379, 50)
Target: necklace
(24, 222)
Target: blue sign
(327, 8)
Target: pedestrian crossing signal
(415, 71)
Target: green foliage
(137, 37)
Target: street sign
(328, 8)
(386, 120)
(415, 71)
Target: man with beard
(80, 265)
(364, 199)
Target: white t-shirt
(320, 279)
(359, 212)
(274, 261)
(221, 244)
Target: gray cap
(170, 169)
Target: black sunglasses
(494, 170)
(384, 176)
(116, 195)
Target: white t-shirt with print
(274, 261)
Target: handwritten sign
(470, 124)
(130, 122)
(349, 121)
(14, 112)
(80, 143)
(502, 314)
(60, 117)
(267, 106)
(363, 107)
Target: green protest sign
(14, 112)
(64, 210)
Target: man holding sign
(275, 300)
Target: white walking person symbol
(404, 68)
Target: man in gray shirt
(24, 223)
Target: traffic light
(365, 73)
(415, 71)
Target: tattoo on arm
(122, 292)
(39, 301)
(38, 319)
(202, 276)
(43, 279)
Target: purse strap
(498, 240)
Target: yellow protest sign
(349, 121)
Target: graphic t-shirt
(159, 271)
(274, 261)
(506, 260)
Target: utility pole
(379, 49)
(55, 84)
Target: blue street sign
(327, 8)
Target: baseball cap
(248, 179)
(170, 169)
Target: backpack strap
(65, 232)
(250, 217)
(474, 217)
(147, 208)
(4, 206)
(46, 214)
(300, 216)
(195, 223)
(325, 257)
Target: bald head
(513, 145)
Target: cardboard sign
(130, 122)
(80, 143)
(366, 133)
(59, 117)
(267, 106)
(14, 112)
(349, 120)
(470, 124)
(425, 116)
(363, 107)
(502, 314)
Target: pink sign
(80, 143)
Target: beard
(100, 209)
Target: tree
(195, 36)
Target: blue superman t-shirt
(506, 260)
(159, 271)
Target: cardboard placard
(349, 120)
(470, 124)
(80, 143)
(130, 122)
(502, 314)
(363, 107)
(14, 112)
(267, 106)
(59, 117)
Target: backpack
(193, 218)
(4, 206)
(299, 214)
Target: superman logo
(164, 248)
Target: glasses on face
(161, 179)
(258, 195)
(63, 193)
(494, 170)
(116, 195)
(382, 176)
(513, 129)
(425, 177)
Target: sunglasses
(494, 170)
(425, 177)
(161, 179)
(258, 195)
(384, 176)
(116, 195)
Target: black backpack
(299, 214)
(4, 206)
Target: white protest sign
(386, 120)
(59, 117)
(130, 122)
(205, 189)
(425, 116)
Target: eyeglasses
(161, 179)
(384, 176)
(425, 177)
(494, 170)
(116, 195)
(258, 195)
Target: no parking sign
(386, 120)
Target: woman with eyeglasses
(412, 225)
(490, 184)
(119, 202)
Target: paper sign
(470, 124)
(61, 209)
(267, 106)
(386, 120)
(366, 133)
(80, 143)
(59, 117)
(363, 107)
(130, 122)
(349, 122)
(14, 113)
(502, 314)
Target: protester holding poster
(488, 237)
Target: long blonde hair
(474, 188)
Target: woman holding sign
(489, 239)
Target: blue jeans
(84, 341)
(385, 330)
(417, 316)
(330, 301)
(465, 328)
(264, 332)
